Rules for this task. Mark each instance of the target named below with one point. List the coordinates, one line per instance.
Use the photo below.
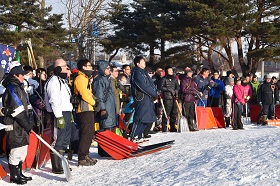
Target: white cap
(268, 76)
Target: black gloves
(7, 111)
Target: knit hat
(268, 76)
(187, 70)
(230, 80)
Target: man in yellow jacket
(85, 111)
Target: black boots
(20, 173)
(15, 174)
(227, 121)
(56, 164)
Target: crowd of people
(70, 100)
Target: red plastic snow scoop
(120, 148)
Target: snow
(207, 157)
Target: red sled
(219, 116)
(120, 148)
(3, 173)
(31, 152)
(44, 156)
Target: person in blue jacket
(215, 92)
(104, 93)
(144, 94)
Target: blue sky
(57, 6)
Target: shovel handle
(178, 107)
(50, 147)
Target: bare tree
(80, 16)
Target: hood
(102, 65)
(10, 80)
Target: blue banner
(6, 56)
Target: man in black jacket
(169, 87)
(19, 121)
(268, 96)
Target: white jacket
(57, 96)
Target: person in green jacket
(255, 85)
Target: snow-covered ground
(209, 157)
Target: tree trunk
(211, 63)
(112, 56)
(244, 67)
(152, 53)
(41, 62)
(162, 50)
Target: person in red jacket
(238, 102)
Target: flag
(6, 56)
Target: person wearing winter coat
(215, 92)
(238, 101)
(19, 121)
(268, 96)
(189, 90)
(247, 95)
(169, 88)
(103, 91)
(228, 96)
(117, 87)
(254, 86)
(85, 111)
(204, 85)
(57, 98)
(144, 94)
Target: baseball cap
(18, 70)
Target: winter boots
(20, 173)
(227, 121)
(16, 175)
(88, 161)
(264, 119)
(56, 163)
(192, 124)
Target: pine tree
(24, 19)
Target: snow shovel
(65, 164)
(182, 122)
(164, 111)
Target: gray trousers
(61, 137)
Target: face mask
(62, 75)
(57, 71)
(88, 73)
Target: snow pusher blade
(120, 148)
(64, 161)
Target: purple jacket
(188, 88)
